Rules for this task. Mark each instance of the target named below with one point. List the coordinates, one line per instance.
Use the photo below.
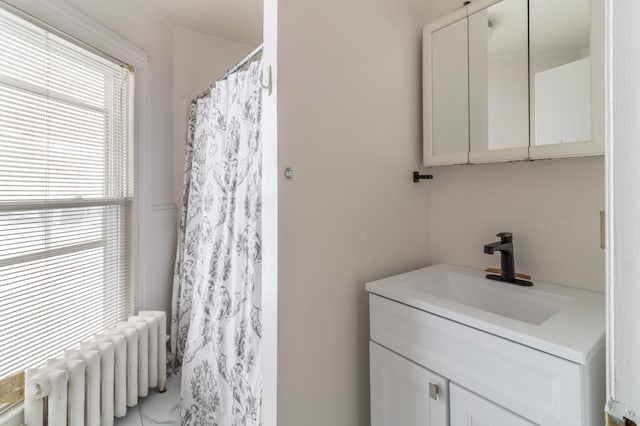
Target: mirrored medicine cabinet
(509, 80)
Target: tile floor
(157, 408)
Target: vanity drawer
(536, 385)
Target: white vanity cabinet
(411, 348)
(404, 393)
(491, 362)
(469, 409)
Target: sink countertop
(574, 333)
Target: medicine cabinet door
(567, 78)
(498, 81)
(446, 91)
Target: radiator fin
(97, 381)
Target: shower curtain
(216, 315)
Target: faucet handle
(505, 237)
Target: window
(66, 130)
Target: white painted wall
(349, 120)
(199, 60)
(551, 206)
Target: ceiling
(556, 24)
(237, 20)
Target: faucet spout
(493, 247)
(507, 261)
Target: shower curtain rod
(243, 62)
(231, 70)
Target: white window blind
(66, 131)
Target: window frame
(65, 20)
(83, 29)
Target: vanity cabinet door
(468, 409)
(404, 393)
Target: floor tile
(162, 408)
(132, 418)
(157, 408)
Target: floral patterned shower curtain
(216, 315)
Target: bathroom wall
(349, 126)
(199, 59)
(349, 117)
(551, 206)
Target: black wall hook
(417, 177)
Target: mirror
(499, 82)
(561, 72)
(450, 91)
(514, 80)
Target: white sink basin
(520, 303)
(563, 321)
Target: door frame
(622, 68)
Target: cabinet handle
(433, 391)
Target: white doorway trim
(623, 208)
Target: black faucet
(507, 262)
